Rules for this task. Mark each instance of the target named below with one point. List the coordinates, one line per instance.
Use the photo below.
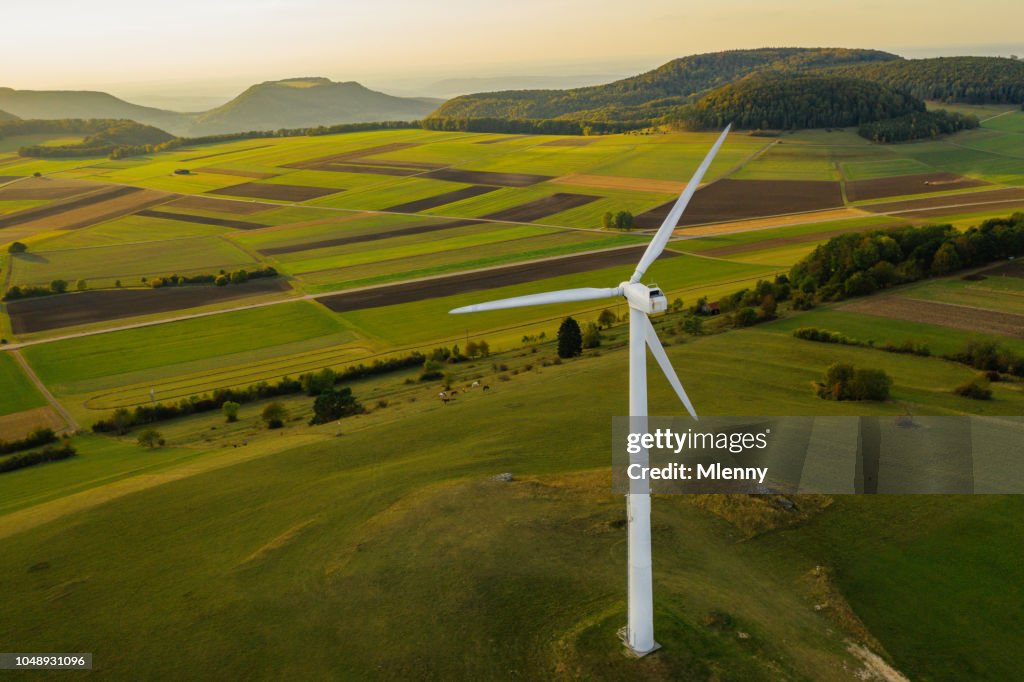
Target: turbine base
(623, 634)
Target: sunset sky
(123, 46)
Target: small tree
(17, 247)
(151, 438)
(946, 260)
(693, 325)
(122, 420)
(81, 285)
(608, 220)
(334, 404)
(606, 318)
(624, 220)
(274, 415)
(592, 337)
(484, 348)
(239, 277)
(230, 410)
(58, 286)
(221, 281)
(570, 339)
(316, 383)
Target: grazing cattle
(475, 384)
(486, 387)
(445, 397)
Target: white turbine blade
(661, 237)
(563, 296)
(658, 351)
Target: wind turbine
(642, 301)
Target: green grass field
(17, 393)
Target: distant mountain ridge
(4, 116)
(308, 102)
(289, 103)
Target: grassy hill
(304, 102)
(85, 104)
(4, 116)
(653, 93)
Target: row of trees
(123, 419)
(859, 264)
(917, 126)
(50, 453)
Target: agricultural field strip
(263, 304)
(101, 194)
(71, 423)
(953, 315)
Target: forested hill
(974, 80)
(652, 94)
(778, 101)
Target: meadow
(381, 545)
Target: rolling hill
(654, 93)
(304, 102)
(86, 104)
(4, 116)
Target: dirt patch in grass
(67, 310)
(967, 202)
(900, 185)
(239, 173)
(106, 204)
(545, 206)
(201, 220)
(266, 190)
(201, 203)
(441, 199)
(20, 424)
(943, 314)
(739, 199)
(480, 280)
(359, 238)
(471, 177)
(569, 142)
(620, 182)
(1013, 268)
(496, 140)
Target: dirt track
(441, 199)
(407, 292)
(66, 310)
(267, 190)
(728, 200)
(201, 220)
(900, 185)
(943, 314)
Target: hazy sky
(209, 46)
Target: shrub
(977, 389)
(151, 438)
(592, 337)
(745, 317)
(334, 404)
(58, 286)
(844, 382)
(17, 247)
(274, 415)
(41, 436)
(230, 410)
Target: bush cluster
(41, 436)
(845, 382)
(26, 459)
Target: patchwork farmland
(135, 289)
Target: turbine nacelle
(646, 299)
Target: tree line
(859, 264)
(973, 80)
(919, 125)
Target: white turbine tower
(642, 300)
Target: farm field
(376, 236)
